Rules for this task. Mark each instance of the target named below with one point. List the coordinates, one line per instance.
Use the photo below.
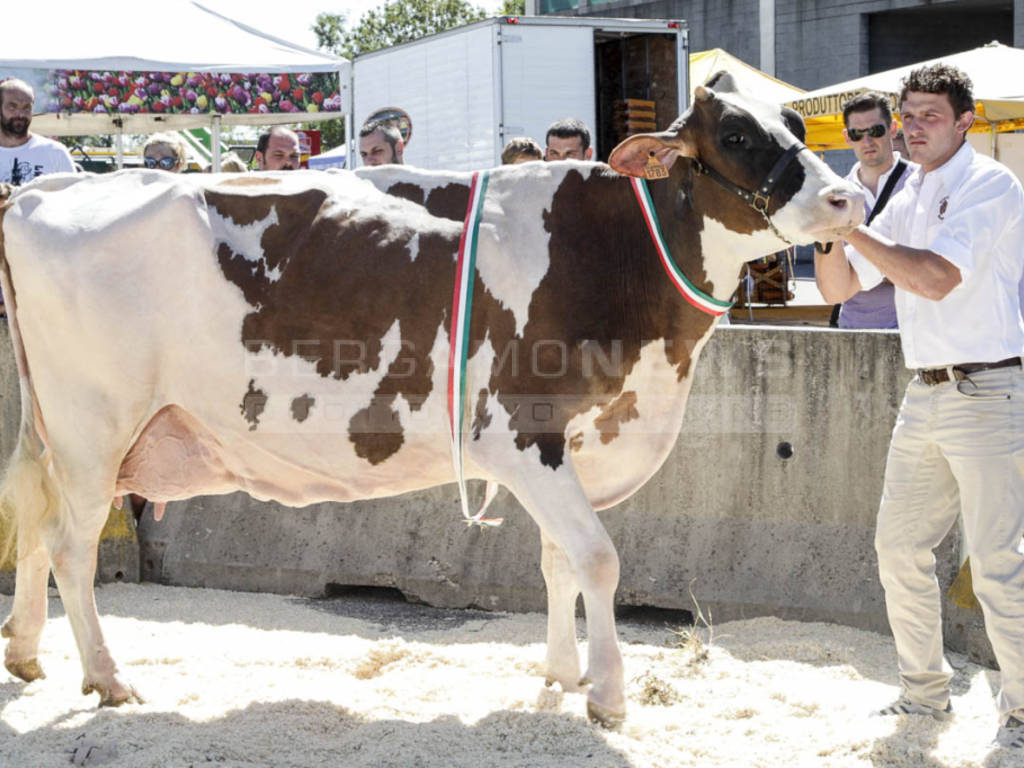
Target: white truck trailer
(468, 90)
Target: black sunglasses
(167, 163)
(875, 132)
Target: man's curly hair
(942, 78)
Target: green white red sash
(458, 353)
(690, 292)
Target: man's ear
(589, 154)
(399, 149)
(965, 121)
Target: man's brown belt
(933, 376)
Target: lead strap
(458, 352)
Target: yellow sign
(832, 103)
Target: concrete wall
(766, 506)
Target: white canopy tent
(197, 57)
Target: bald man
(23, 154)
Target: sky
(295, 26)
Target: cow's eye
(735, 139)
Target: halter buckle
(759, 202)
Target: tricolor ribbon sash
(458, 353)
(691, 293)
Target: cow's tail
(29, 498)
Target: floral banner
(188, 92)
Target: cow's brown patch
(342, 285)
(620, 411)
(605, 296)
(253, 180)
(253, 403)
(376, 431)
(447, 202)
(301, 406)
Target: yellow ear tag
(655, 169)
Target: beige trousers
(958, 447)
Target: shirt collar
(951, 170)
(854, 174)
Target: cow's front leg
(74, 568)
(24, 626)
(557, 502)
(563, 659)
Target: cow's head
(758, 176)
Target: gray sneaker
(904, 706)
(1011, 734)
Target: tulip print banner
(196, 93)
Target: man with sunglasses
(951, 243)
(23, 154)
(880, 172)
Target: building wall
(819, 42)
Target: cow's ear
(723, 82)
(632, 156)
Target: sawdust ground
(241, 679)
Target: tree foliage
(397, 21)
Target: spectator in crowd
(380, 144)
(568, 139)
(899, 143)
(23, 154)
(165, 152)
(950, 241)
(879, 173)
(278, 150)
(230, 162)
(521, 149)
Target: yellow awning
(993, 68)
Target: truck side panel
(547, 74)
(446, 84)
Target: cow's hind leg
(557, 502)
(28, 507)
(24, 627)
(563, 659)
(74, 556)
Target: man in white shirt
(880, 173)
(951, 242)
(23, 154)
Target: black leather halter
(758, 200)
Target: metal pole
(766, 13)
(119, 144)
(215, 142)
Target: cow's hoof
(114, 695)
(567, 684)
(607, 717)
(27, 670)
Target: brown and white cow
(290, 333)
